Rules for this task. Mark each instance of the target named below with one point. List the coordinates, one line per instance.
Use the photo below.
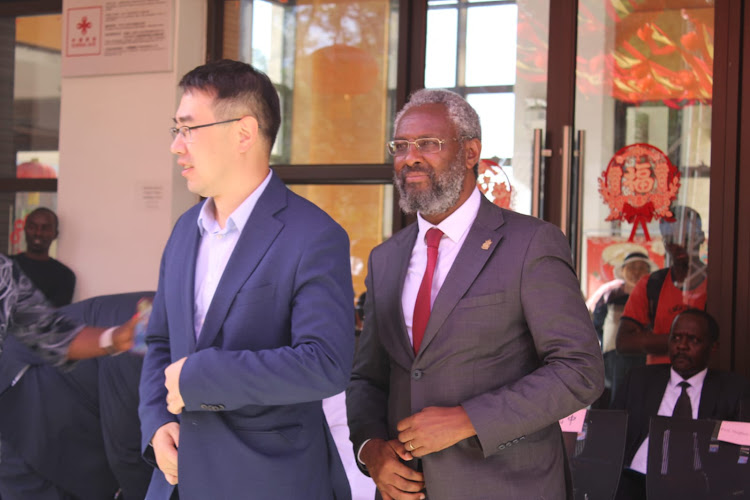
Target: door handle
(537, 180)
(579, 155)
(565, 153)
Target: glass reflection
(331, 63)
(364, 211)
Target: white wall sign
(102, 37)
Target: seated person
(608, 304)
(55, 280)
(658, 298)
(660, 390)
(72, 434)
(26, 315)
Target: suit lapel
(259, 232)
(393, 287)
(709, 395)
(483, 238)
(187, 286)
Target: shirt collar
(456, 224)
(694, 381)
(207, 221)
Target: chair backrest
(685, 460)
(595, 454)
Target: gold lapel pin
(486, 244)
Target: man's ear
(249, 131)
(473, 149)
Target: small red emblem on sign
(84, 25)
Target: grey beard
(443, 194)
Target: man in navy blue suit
(252, 320)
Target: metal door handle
(565, 152)
(537, 182)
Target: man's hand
(124, 335)
(175, 404)
(395, 480)
(165, 442)
(434, 429)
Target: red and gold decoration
(639, 185)
(494, 183)
(663, 50)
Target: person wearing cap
(607, 311)
(657, 299)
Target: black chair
(686, 460)
(595, 454)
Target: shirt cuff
(359, 452)
(105, 341)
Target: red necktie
(422, 305)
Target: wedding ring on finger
(411, 446)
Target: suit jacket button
(219, 407)
(501, 447)
(416, 374)
(515, 441)
(204, 407)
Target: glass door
(494, 53)
(644, 73)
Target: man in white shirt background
(658, 390)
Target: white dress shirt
(455, 228)
(672, 392)
(216, 246)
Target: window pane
(644, 77)
(491, 45)
(36, 93)
(442, 44)
(332, 64)
(496, 113)
(364, 211)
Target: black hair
(711, 324)
(236, 84)
(45, 210)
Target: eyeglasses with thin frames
(400, 147)
(185, 131)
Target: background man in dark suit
(655, 390)
(252, 321)
(473, 387)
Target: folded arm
(571, 372)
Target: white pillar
(120, 190)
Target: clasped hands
(166, 439)
(428, 431)
(175, 404)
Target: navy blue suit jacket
(278, 337)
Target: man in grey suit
(472, 351)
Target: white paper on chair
(735, 432)
(574, 422)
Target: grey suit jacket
(509, 338)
